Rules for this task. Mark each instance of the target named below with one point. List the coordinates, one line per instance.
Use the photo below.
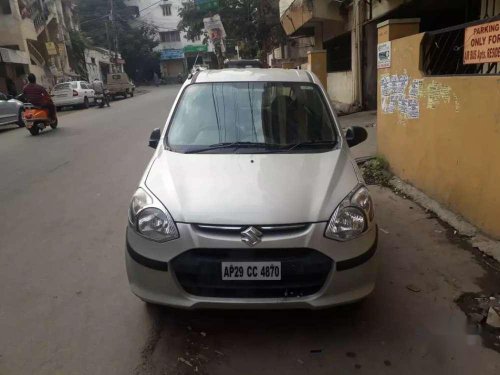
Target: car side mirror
(154, 138)
(355, 135)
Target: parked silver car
(11, 111)
(252, 199)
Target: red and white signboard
(214, 27)
(482, 43)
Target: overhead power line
(149, 6)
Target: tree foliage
(253, 24)
(77, 56)
(135, 39)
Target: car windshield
(62, 86)
(249, 117)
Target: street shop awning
(12, 56)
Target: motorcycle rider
(39, 97)
(99, 89)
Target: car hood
(258, 189)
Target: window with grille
(338, 53)
(167, 9)
(170, 36)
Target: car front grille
(235, 230)
(304, 272)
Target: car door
(8, 111)
(87, 91)
(62, 93)
(90, 90)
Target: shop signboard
(171, 54)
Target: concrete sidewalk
(367, 120)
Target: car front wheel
(20, 120)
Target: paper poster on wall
(400, 94)
(415, 88)
(384, 55)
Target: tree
(250, 23)
(135, 43)
(77, 53)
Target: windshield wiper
(230, 145)
(309, 143)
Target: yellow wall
(316, 60)
(452, 150)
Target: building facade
(99, 62)
(34, 38)
(346, 32)
(438, 119)
(177, 54)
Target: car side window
(2, 96)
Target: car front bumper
(153, 278)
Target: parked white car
(252, 199)
(73, 93)
(11, 111)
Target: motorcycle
(37, 119)
(101, 99)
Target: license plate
(251, 270)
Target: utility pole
(108, 39)
(113, 30)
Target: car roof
(253, 75)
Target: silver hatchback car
(252, 199)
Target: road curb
(477, 239)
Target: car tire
(86, 103)
(59, 109)
(34, 130)
(20, 121)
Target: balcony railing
(36, 10)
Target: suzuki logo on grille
(251, 236)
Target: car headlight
(352, 217)
(150, 219)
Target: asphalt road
(65, 305)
